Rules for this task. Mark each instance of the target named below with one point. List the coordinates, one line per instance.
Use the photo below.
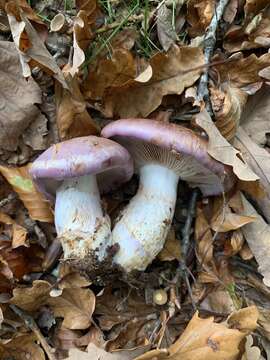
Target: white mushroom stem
(145, 222)
(80, 222)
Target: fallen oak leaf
(18, 98)
(259, 161)
(257, 235)
(202, 339)
(22, 347)
(72, 117)
(74, 305)
(124, 96)
(21, 182)
(221, 150)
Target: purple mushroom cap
(175, 138)
(106, 159)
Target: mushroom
(74, 173)
(163, 153)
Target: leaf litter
(117, 59)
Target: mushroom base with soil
(81, 223)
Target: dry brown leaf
(221, 150)
(202, 339)
(73, 119)
(18, 98)
(219, 301)
(259, 161)
(199, 15)
(93, 353)
(93, 12)
(253, 7)
(131, 98)
(81, 40)
(255, 118)
(203, 237)
(244, 319)
(21, 182)
(32, 49)
(19, 236)
(171, 249)
(31, 298)
(244, 71)
(228, 105)
(76, 306)
(224, 220)
(257, 235)
(165, 30)
(230, 11)
(21, 348)
(108, 73)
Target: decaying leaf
(21, 348)
(165, 28)
(19, 232)
(93, 352)
(203, 339)
(259, 161)
(228, 105)
(251, 352)
(199, 15)
(171, 249)
(221, 150)
(203, 237)
(257, 235)
(18, 98)
(81, 40)
(31, 47)
(74, 305)
(171, 75)
(73, 120)
(19, 178)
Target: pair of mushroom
(76, 171)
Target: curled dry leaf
(81, 40)
(257, 235)
(22, 347)
(259, 161)
(31, 48)
(75, 305)
(221, 150)
(254, 33)
(199, 15)
(172, 73)
(228, 105)
(19, 236)
(21, 182)
(72, 117)
(224, 220)
(18, 98)
(251, 352)
(202, 339)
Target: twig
(31, 324)
(182, 268)
(209, 44)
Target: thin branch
(209, 44)
(31, 324)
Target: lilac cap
(175, 138)
(108, 160)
